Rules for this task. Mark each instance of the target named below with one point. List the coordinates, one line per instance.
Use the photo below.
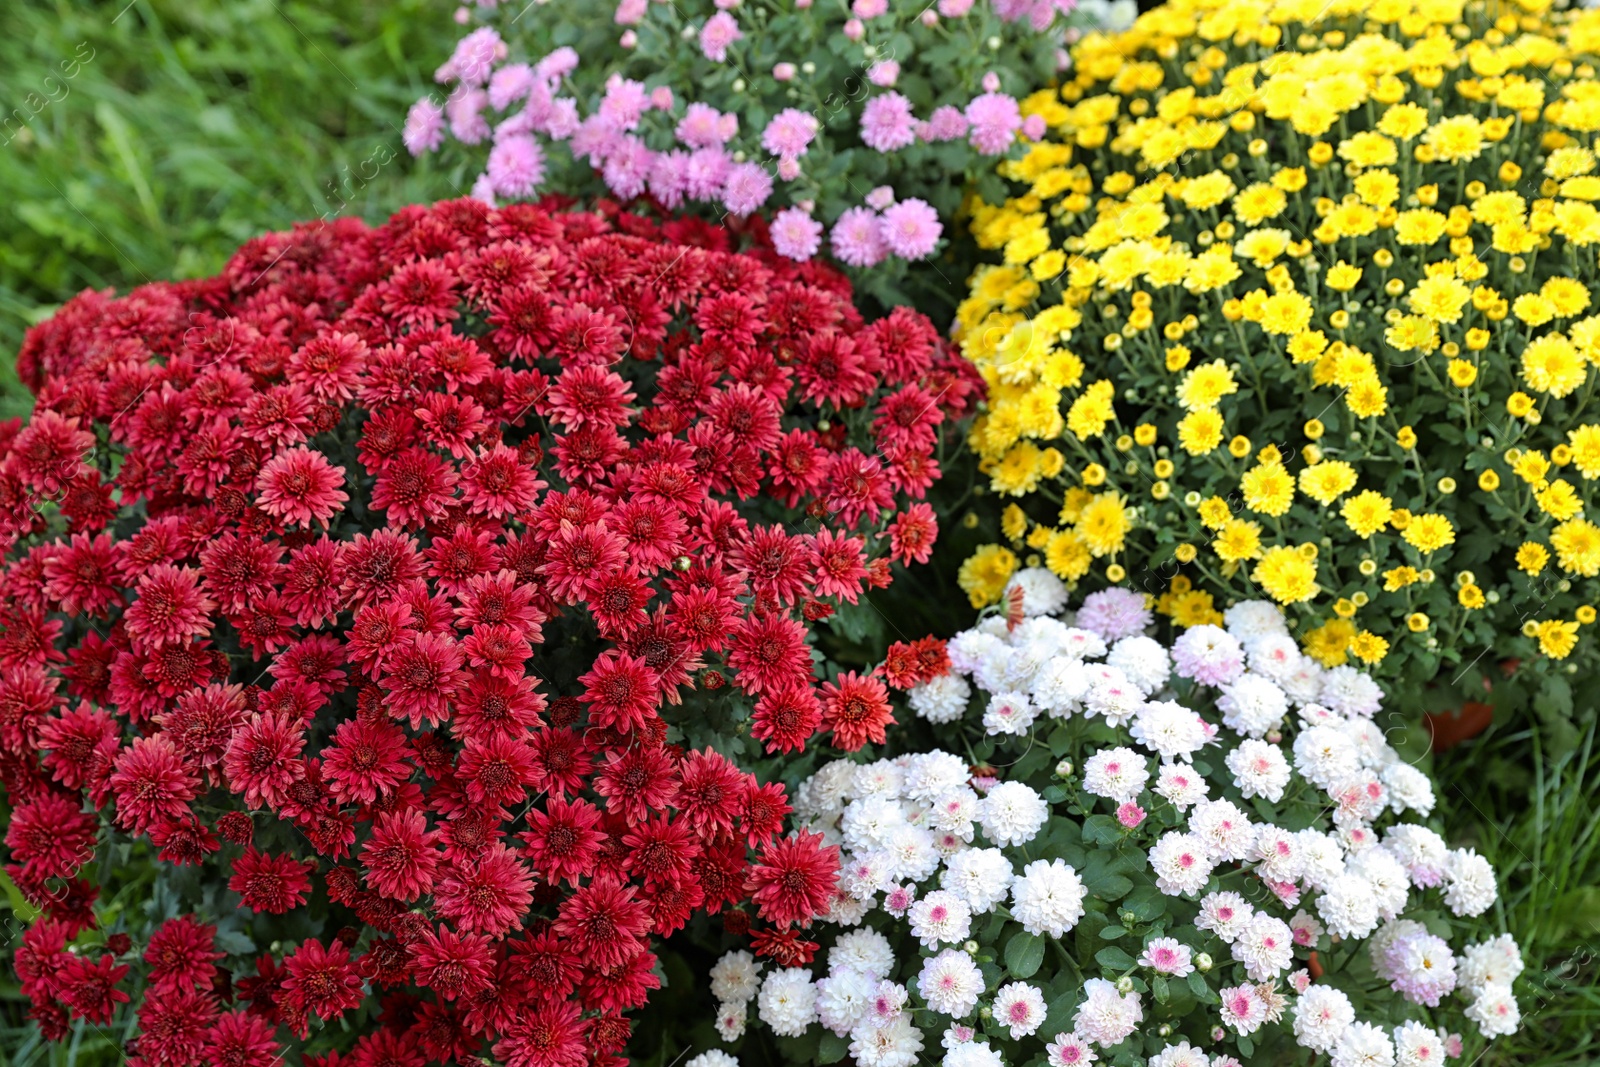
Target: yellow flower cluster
(1296, 298)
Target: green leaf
(1197, 984)
(1246, 1046)
(1108, 886)
(1101, 830)
(1158, 986)
(1113, 958)
(1111, 933)
(1024, 954)
(1146, 903)
(832, 1048)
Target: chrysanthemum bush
(1304, 310)
(372, 608)
(859, 125)
(1123, 852)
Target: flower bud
(1124, 985)
(1202, 962)
(970, 948)
(1064, 769)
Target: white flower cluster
(939, 850)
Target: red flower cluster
(397, 574)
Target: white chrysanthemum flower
(1225, 914)
(1306, 928)
(1362, 1045)
(912, 853)
(1265, 946)
(1042, 592)
(843, 999)
(954, 812)
(1347, 906)
(1469, 886)
(1496, 961)
(1277, 854)
(1350, 692)
(867, 822)
(1495, 1010)
(862, 874)
(1273, 655)
(1250, 619)
(1060, 686)
(1252, 705)
(1243, 1011)
(1409, 789)
(939, 918)
(788, 1001)
(847, 910)
(1019, 1007)
(1084, 644)
(1421, 851)
(1106, 1017)
(980, 876)
(1167, 955)
(1416, 1045)
(1359, 799)
(736, 977)
(1304, 683)
(1169, 729)
(1182, 863)
(1182, 785)
(1371, 746)
(713, 1058)
(1390, 883)
(1143, 660)
(1227, 832)
(1047, 898)
(1182, 1054)
(969, 648)
(1259, 769)
(1012, 814)
(1321, 1016)
(974, 1054)
(942, 699)
(892, 1042)
(1324, 755)
(951, 983)
(933, 774)
(864, 951)
(825, 793)
(1112, 695)
(1069, 1050)
(1116, 773)
(731, 1019)
(1009, 713)
(886, 778)
(1321, 858)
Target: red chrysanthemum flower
(271, 884)
(181, 954)
(550, 1035)
(400, 858)
(169, 609)
(794, 879)
(152, 782)
(604, 921)
(299, 486)
(856, 709)
(321, 981)
(563, 841)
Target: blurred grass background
(148, 140)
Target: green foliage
(147, 141)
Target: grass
(148, 140)
(1535, 814)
